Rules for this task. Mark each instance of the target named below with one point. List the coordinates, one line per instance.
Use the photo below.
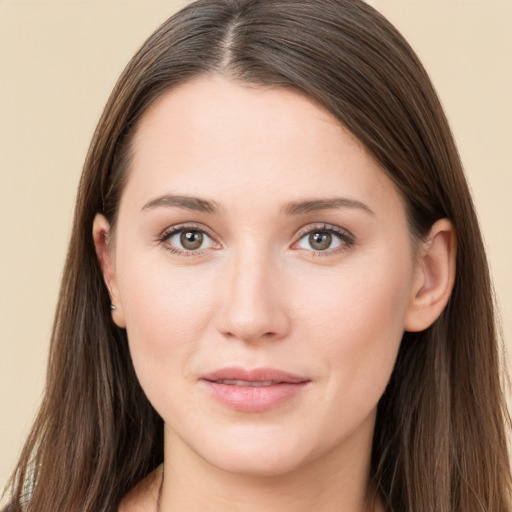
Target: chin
(259, 456)
(258, 465)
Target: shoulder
(143, 497)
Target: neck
(338, 480)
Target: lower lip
(252, 398)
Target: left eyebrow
(314, 205)
(186, 202)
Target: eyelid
(167, 233)
(182, 226)
(346, 237)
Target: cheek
(356, 317)
(355, 300)
(166, 311)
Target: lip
(258, 390)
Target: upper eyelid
(323, 227)
(181, 227)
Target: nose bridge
(253, 303)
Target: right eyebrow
(187, 202)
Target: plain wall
(58, 63)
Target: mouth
(264, 376)
(254, 384)
(256, 390)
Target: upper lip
(253, 375)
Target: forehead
(215, 136)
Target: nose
(254, 301)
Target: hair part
(440, 434)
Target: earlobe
(104, 253)
(435, 277)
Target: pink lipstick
(254, 390)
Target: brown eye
(187, 240)
(191, 240)
(324, 239)
(320, 240)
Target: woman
(276, 293)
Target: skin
(259, 293)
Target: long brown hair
(440, 434)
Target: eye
(324, 239)
(186, 239)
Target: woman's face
(264, 270)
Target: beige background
(58, 63)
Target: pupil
(320, 240)
(191, 240)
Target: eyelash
(168, 233)
(346, 238)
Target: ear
(434, 277)
(105, 254)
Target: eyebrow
(188, 203)
(314, 205)
(293, 208)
